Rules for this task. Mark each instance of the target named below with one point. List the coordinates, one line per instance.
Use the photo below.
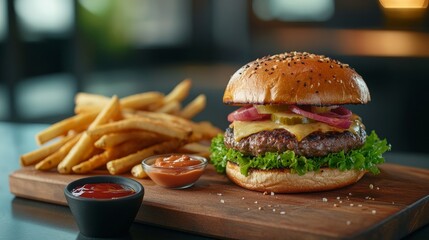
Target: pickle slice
(289, 118)
(316, 109)
(268, 109)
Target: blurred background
(52, 49)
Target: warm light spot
(404, 3)
(356, 42)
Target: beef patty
(315, 144)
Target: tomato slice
(339, 118)
(247, 113)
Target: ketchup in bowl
(104, 206)
(175, 170)
(103, 191)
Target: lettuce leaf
(365, 158)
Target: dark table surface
(27, 219)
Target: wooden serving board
(389, 205)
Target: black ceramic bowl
(104, 217)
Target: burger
(293, 131)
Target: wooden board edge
(17, 179)
(188, 222)
(415, 215)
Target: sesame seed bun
(296, 78)
(283, 181)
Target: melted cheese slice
(244, 129)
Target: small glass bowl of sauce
(177, 171)
(104, 206)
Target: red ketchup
(103, 191)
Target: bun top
(296, 78)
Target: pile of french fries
(117, 134)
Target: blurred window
(3, 19)
(44, 17)
(294, 10)
(148, 24)
(139, 23)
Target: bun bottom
(283, 181)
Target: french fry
(206, 129)
(92, 102)
(38, 155)
(172, 107)
(141, 123)
(194, 107)
(63, 127)
(142, 100)
(138, 172)
(80, 109)
(180, 92)
(195, 147)
(114, 139)
(90, 99)
(158, 116)
(54, 159)
(116, 152)
(124, 164)
(85, 143)
(200, 131)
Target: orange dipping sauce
(175, 161)
(176, 171)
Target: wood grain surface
(386, 206)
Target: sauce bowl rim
(129, 182)
(203, 164)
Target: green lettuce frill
(365, 158)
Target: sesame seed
(350, 193)
(282, 212)
(324, 199)
(351, 204)
(259, 208)
(373, 211)
(335, 205)
(222, 201)
(341, 201)
(378, 188)
(274, 209)
(338, 198)
(360, 205)
(219, 194)
(348, 222)
(256, 202)
(371, 186)
(272, 193)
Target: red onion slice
(339, 122)
(247, 113)
(339, 112)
